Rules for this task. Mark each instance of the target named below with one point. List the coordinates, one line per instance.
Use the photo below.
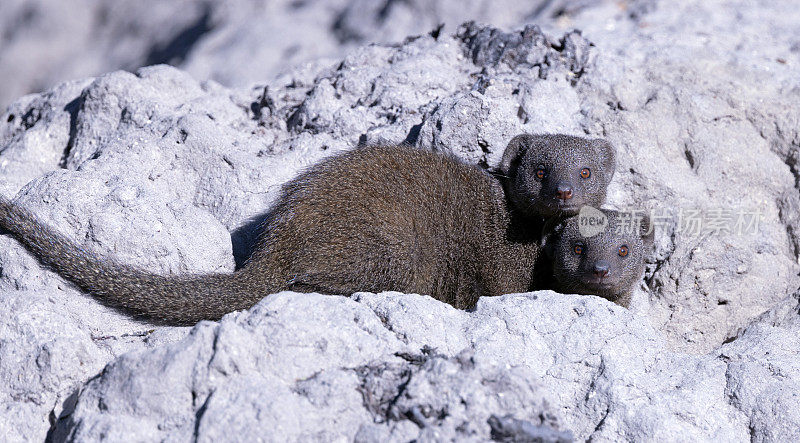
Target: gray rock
(52, 341)
(306, 366)
(514, 430)
(45, 42)
(763, 376)
(332, 369)
(172, 174)
(236, 43)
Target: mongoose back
(607, 264)
(370, 219)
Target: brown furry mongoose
(607, 264)
(370, 219)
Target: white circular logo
(591, 221)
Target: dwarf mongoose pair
(387, 218)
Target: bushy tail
(174, 300)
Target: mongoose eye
(623, 251)
(578, 249)
(586, 173)
(540, 172)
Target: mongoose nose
(601, 268)
(564, 191)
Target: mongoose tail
(169, 300)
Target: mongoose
(371, 219)
(556, 174)
(607, 264)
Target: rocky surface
(235, 42)
(171, 173)
(302, 367)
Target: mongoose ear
(552, 225)
(548, 246)
(553, 229)
(647, 231)
(516, 148)
(608, 156)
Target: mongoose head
(555, 174)
(607, 264)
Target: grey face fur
(608, 264)
(554, 174)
